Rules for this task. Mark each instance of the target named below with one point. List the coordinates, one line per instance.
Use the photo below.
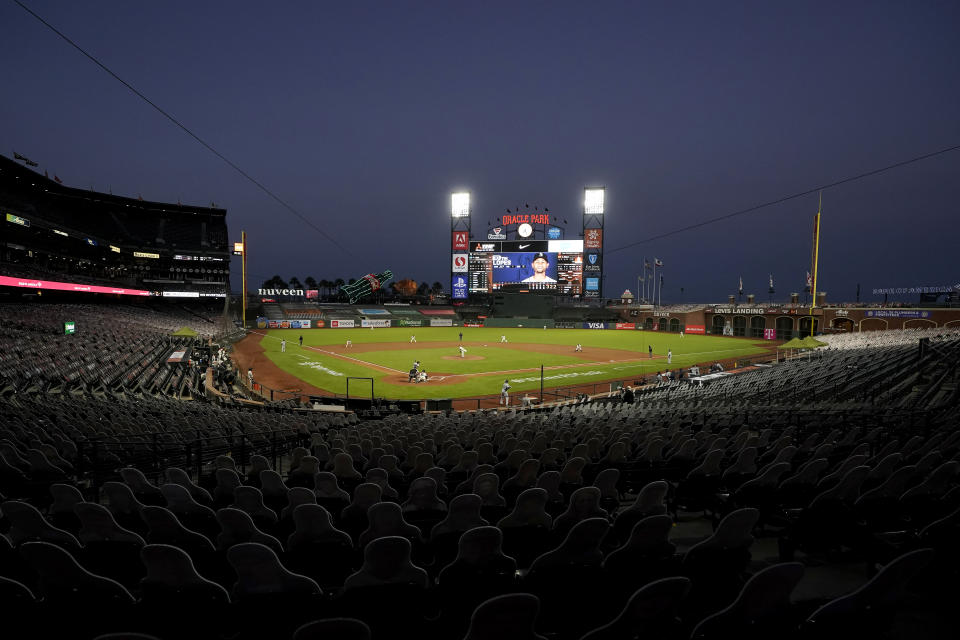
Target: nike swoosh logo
(524, 246)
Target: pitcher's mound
(467, 357)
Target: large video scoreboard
(535, 265)
(526, 253)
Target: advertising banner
(459, 263)
(313, 294)
(262, 322)
(626, 325)
(68, 286)
(438, 312)
(371, 322)
(553, 233)
(565, 325)
(273, 324)
(496, 234)
(374, 312)
(459, 287)
(592, 261)
(695, 328)
(593, 239)
(769, 334)
(342, 324)
(441, 322)
(896, 313)
(475, 325)
(594, 325)
(300, 324)
(461, 240)
(409, 322)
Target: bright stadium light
(593, 201)
(460, 204)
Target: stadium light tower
(240, 249)
(460, 222)
(593, 210)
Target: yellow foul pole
(243, 293)
(816, 257)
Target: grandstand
(74, 236)
(820, 477)
(146, 486)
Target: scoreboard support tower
(593, 240)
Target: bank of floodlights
(460, 204)
(593, 200)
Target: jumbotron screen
(540, 265)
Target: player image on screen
(536, 268)
(540, 265)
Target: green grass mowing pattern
(328, 372)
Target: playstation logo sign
(459, 288)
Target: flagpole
(644, 267)
(653, 290)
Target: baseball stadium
(190, 461)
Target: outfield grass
(316, 366)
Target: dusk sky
(364, 116)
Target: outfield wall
(514, 323)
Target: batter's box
(437, 378)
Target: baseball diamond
(322, 366)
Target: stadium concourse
(150, 492)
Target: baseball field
(325, 360)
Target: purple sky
(365, 115)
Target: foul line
(338, 355)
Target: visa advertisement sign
(459, 287)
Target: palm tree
(310, 282)
(423, 289)
(276, 282)
(339, 283)
(437, 287)
(295, 283)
